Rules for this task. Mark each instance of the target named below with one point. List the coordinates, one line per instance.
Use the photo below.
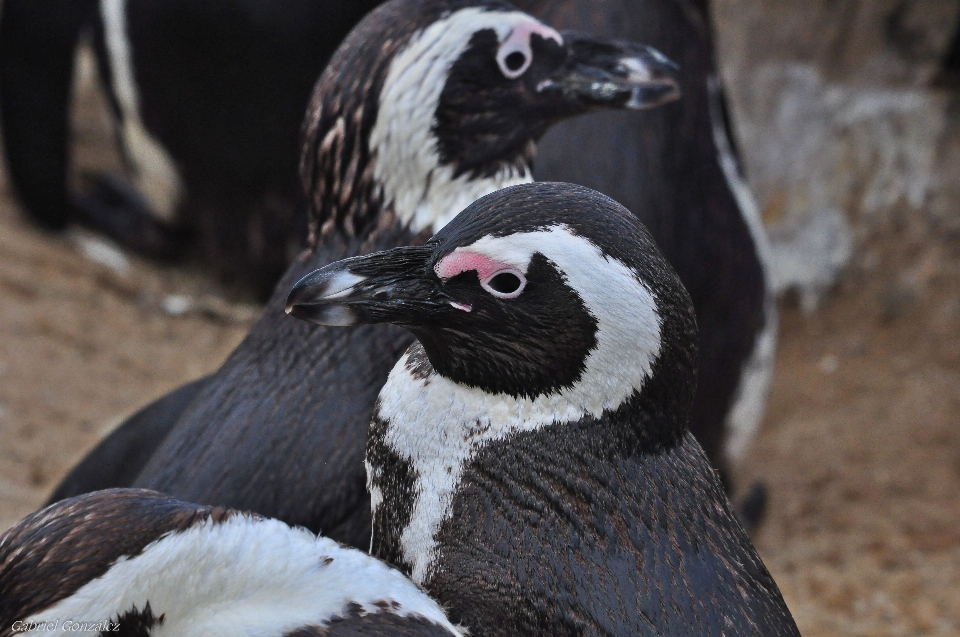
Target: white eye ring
(513, 47)
(491, 286)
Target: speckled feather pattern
(201, 571)
(74, 542)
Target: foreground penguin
(427, 106)
(529, 459)
(134, 562)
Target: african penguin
(426, 106)
(132, 562)
(529, 460)
(675, 167)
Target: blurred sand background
(856, 165)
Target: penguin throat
(420, 192)
(429, 198)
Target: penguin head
(544, 292)
(430, 104)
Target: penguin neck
(432, 441)
(404, 181)
(537, 522)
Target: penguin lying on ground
(131, 562)
(426, 106)
(529, 459)
(675, 168)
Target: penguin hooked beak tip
(394, 286)
(603, 74)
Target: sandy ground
(861, 445)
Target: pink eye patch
(521, 33)
(459, 262)
(500, 279)
(515, 53)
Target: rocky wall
(839, 128)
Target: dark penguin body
(129, 562)
(664, 166)
(529, 460)
(289, 408)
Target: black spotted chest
(396, 480)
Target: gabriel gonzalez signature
(102, 626)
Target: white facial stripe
(439, 425)
(244, 577)
(156, 174)
(424, 194)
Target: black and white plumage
(529, 459)
(289, 408)
(134, 562)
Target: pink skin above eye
(521, 33)
(459, 262)
(519, 42)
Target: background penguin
(208, 99)
(144, 562)
(529, 462)
(400, 137)
(674, 167)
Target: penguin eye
(514, 57)
(505, 284)
(515, 60)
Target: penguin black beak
(394, 286)
(603, 74)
